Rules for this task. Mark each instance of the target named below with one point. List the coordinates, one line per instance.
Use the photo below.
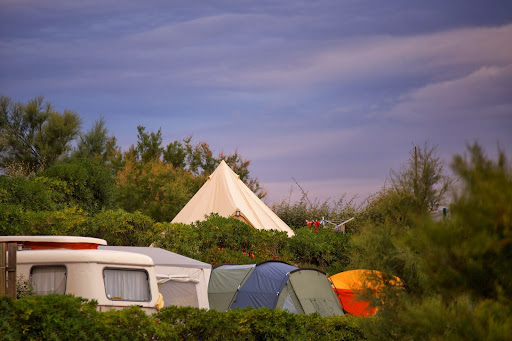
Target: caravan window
(181, 294)
(127, 285)
(48, 279)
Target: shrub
(63, 317)
(224, 240)
(295, 215)
(35, 194)
(15, 220)
(91, 186)
(118, 227)
(51, 317)
(325, 249)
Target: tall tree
(422, 179)
(200, 160)
(148, 145)
(175, 154)
(34, 133)
(96, 144)
(462, 264)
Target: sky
(331, 95)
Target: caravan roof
(54, 242)
(82, 256)
(160, 256)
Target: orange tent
(349, 284)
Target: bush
(118, 227)
(63, 317)
(325, 249)
(218, 240)
(456, 271)
(91, 186)
(295, 215)
(224, 240)
(15, 220)
(51, 317)
(154, 188)
(35, 194)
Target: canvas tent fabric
(225, 194)
(275, 284)
(309, 291)
(263, 286)
(349, 284)
(182, 281)
(225, 281)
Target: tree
(175, 155)
(422, 179)
(394, 211)
(462, 265)
(148, 145)
(97, 145)
(91, 185)
(34, 134)
(199, 159)
(155, 188)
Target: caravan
(74, 265)
(182, 281)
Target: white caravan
(74, 265)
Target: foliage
(155, 188)
(36, 193)
(15, 220)
(457, 271)
(223, 240)
(63, 317)
(121, 228)
(50, 317)
(295, 215)
(148, 145)
(324, 249)
(422, 180)
(257, 324)
(218, 240)
(35, 134)
(24, 287)
(91, 186)
(97, 145)
(199, 160)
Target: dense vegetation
(62, 317)
(456, 270)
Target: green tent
(309, 291)
(275, 285)
(225, 280)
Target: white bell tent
(225, 194)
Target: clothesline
(323, 222)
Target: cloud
(362, 58)
(485, 92)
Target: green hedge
(227, 240)
(64, 317)
(216, 240)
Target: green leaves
(35, 134)
(457, 271)
(63, 317)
